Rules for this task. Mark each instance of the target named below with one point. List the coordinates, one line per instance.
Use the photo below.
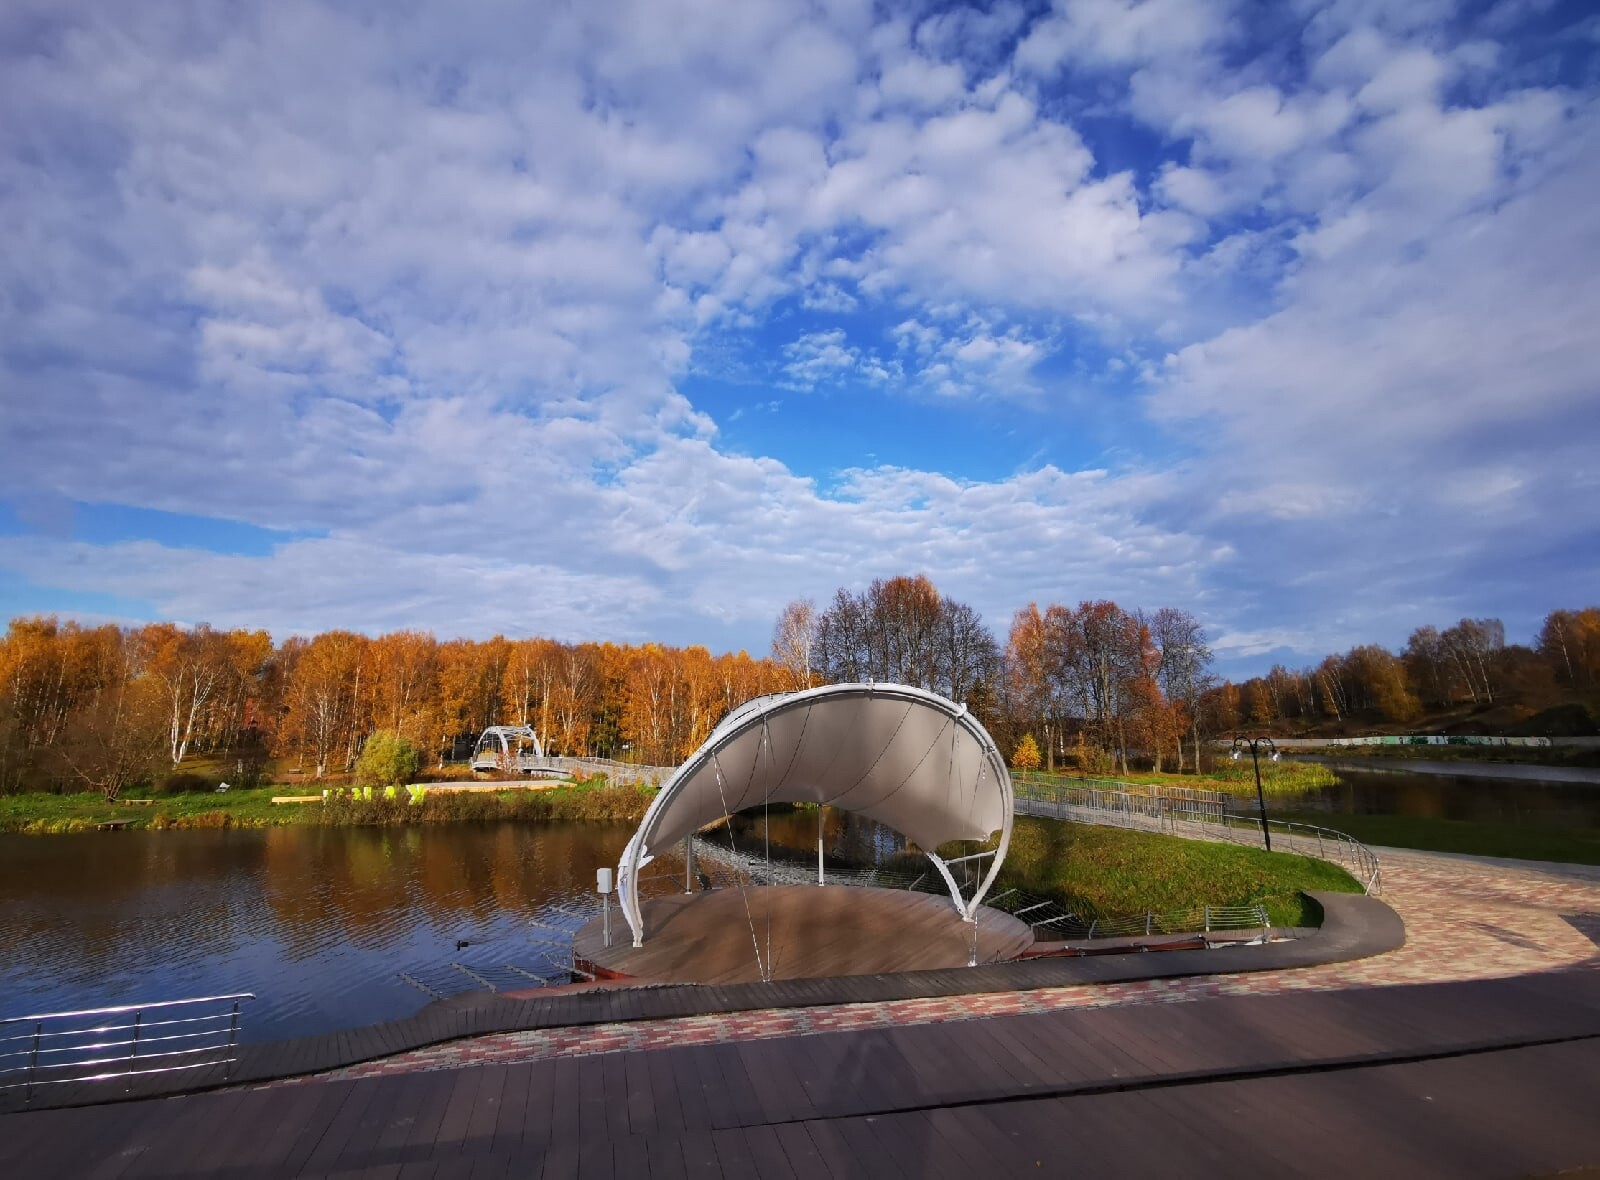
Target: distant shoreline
(1523, 772)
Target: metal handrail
(42, 1044)
(1198, 818)
(728, 870)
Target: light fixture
(1254, 745)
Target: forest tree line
(105, 707)
(1466, 666)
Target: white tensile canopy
(903, 756)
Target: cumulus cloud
(437, 286)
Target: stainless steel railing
(128, 1041)
(1197, 816)
(1048, 919)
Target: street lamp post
(1254, 745)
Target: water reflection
(849, 840)
(316, 921)
(1517, 803)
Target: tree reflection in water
(315, 921)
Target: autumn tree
(575, 697)
(115, 737)
(403, 684)
(901, 631)
(189, 668)
(1183, 668)
(1569, 641)
(1032, 677)
(1026, 755)
(793, 637)
(322, 713)
(471, 682)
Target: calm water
(316, 921)
(1515, 802)
(319, 922)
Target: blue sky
(636, 321)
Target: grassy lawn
(1235, 778)
(1111, 872)
(1102, 872)
(1451, 835)
(43, 813)
(78, 812)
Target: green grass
(1487, 755)
(1102, 872)
(595, 800)
(1234, 778)
(1574, 846)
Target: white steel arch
(903, 756)
(499, 743)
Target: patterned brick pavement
(1466, 918)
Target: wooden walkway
(1353, 927)
(800, 932)
(1469, 1079)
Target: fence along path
(1193, 814)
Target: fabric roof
(905, 757)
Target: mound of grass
(1102, 872)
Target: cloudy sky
(636, 320)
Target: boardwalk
(1465, 918)
(1473, 1079)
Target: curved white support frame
(757, 714)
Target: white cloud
(1121, 32)
(432, 284)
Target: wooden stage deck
(806, 931)
(1495, 1078)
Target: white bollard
(602, 882)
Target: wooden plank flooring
(1489, 1078)
(806, 932)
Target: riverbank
(42, 814)
(1531, 772)
(1285, 777)
(1556, 845)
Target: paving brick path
(1466, 918)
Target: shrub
(183, 782)
(387, 758)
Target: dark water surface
(317, 922)
(1516, 802)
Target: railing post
(233, 1035)
(134, 1050)
(33, 1058)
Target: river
(318, 922)
(322, 923)
(1519, 801)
